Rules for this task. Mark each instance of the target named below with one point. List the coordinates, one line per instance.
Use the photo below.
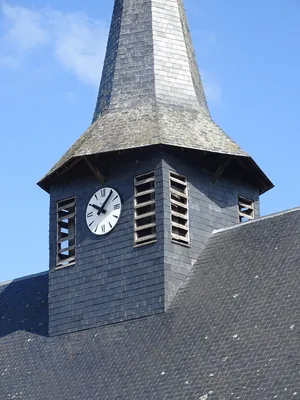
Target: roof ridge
(23, 278)
(269, 216)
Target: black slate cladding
(24, 306)
(232, 331)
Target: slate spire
(151, 91)
(150, 59)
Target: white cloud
(80, 44)
(212, 87)
(24, 28)
(75, 40)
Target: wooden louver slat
(146, 239)
(180, 226)
(69, 261)
(244, 205)
(144, 181)
(67, 249)
(245, 215)
(179, 214)
(177, 180)
(146, 226)
(178, 203)
(145, 215)
(66, 207)
(66, 216)
(179, 238)
(145, 204)
(145, 192)
(177, 193)
(64, 238)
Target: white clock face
(103, 211)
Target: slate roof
(150, 125)
(232, 332)
(151, 91)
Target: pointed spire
(150, 59)
(151, 91)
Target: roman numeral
(115, 216)
(103, 228)
(96, 196)
(90, 214)
(110, 225)
(115, 197)
(117, 206)
(91, 223)
(96, 229)
(103, 192)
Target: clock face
(103, 211)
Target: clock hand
(99, 209)
(104, 204)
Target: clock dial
(103, 211)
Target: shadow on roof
(24, 306)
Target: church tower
(134, 200)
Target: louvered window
(144, 209)
(246, 209)
(179, 208)
(66, 232)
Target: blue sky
(51, 54)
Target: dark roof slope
(24, 305)
(232, 332)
